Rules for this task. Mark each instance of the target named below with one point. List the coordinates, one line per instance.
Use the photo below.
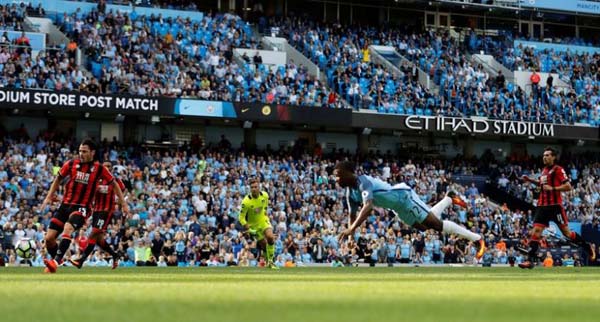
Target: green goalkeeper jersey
(254, 210)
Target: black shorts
(101, 219)
(73, 214)
(545, 214)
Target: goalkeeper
(254, 219)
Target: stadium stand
(185, 202)
(576, 66)
(128, 63)
(49, 70)
(181, 57)
(11, 16)
(465, 89)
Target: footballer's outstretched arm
(362, 216)
(528, 179)
(353, 208)
(352, 218)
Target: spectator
(157, 246)
(535, 80)
(72, 49)
(548, 261)
(503, 182)
(549, 82)
(500, 80)
(257, 59)
(142, 253)
(473, 191)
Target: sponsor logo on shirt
(82, 177)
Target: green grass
(301, 294)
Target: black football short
(64, 214)
(101, 219)
(545, 214)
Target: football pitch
(300, 294)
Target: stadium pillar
(468, 146)
(568, 147)
(130, 129)
(250, 138)
(362, 142)
(384, 15)
(351, 8)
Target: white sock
(439, 207)
(451, 227)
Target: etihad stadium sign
(484, 126)
(478, 126)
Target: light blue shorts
(411, 209)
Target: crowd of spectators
(48, 70)
(156, 56)
(342, 52)
(12, 16)
(153, 55)
(578, 101)
(22, 67)
(185, 205)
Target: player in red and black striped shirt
(104, 206)
(553, 182)
(83, 176)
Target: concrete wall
(45, 25)
(269, 57)
(340, 140)
(292, 54)
(233, 134)
(492, 66)
(382, 143)
(108, 130)
(87, 129)
(522, 80)
(557, 47)
(33, 124)
(37, 40)
(149, 132)
(274, 138)
(376, 57)
(499, 148)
